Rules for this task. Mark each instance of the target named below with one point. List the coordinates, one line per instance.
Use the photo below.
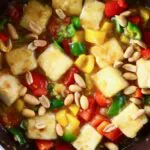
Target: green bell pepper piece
(23, 125)
(77, 48)
(56, 103)
(70, 30)
(69, 137)
(76, 22)
(117, 105)
(18, 135)
(134, 31)
(119, 28)
(146, 99)
(2, 23)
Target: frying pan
(142, 141)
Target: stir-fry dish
(74, 74)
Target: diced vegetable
(95, 37)
(76, 22)
(3, 37)
(48, 133)
(44, 145)
(56, 103)
(124, 39)
(74, 109)
(145, 14)
(92, 14)
(137, 20)
(70, 30)
(21, 60)
(51, 59)
(109, 86)
(66, 45)
(143, 73)
(2, 23)
(69, 76)
(9, 88)
(145, 53)
(89, 82)
(138, 93)
(61, 117)
(113, 135)
(119, 28)
(69, 137)
(71, 7)
(79, 36)
(117, 105)
(85, 63)
(134, 31)
(36, 14)
(100, 99)
(146, 100)
(97, 120)
(18, 135)
(107, 27)
(88, 138)
(126, 124)
(77, 48)
(107, 54)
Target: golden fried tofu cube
(70, 7)
(36, 15)
(9, 88)
(92, 14)
(54, 62)
(21, 60)
(47, 133)
(109, 81)
(126, 124)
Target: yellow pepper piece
(73, 122)
(79, 36)
(61, 117)
(88, 81)
(74, 109)
(107, 26)
(95, 37)
(85, 63)
(145, 14)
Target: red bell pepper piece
(63, 146)
(138, 93)
(100, 99)
(44, 144)
(65, 45)
(136, 20)
(122, 4)
(97, 120)
(113, 135)
(3, 37)
(113, 8)
(145, 53)
(87, 115)
(39, 85)
(69, 76)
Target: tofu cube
(92, 14)
(88, 138)
(108, 53)
(109, 81)
(37, 15)
(21, 60)
(54, 62)
(9, 88)
(70, 7)
(143, 73)
(47, 133)
(126, 124)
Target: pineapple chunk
(109, 81)
(70, 7)
(54, 62)
(21, 60)
(61, 117)
(126, 124)
(9, 88)
(143, 73)
(37, 14)
(74, 109)
(108, 53)
(92, 14)
(48, 133)
(95, 37)
(85, 63)
(88, 138)
(107, 27)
